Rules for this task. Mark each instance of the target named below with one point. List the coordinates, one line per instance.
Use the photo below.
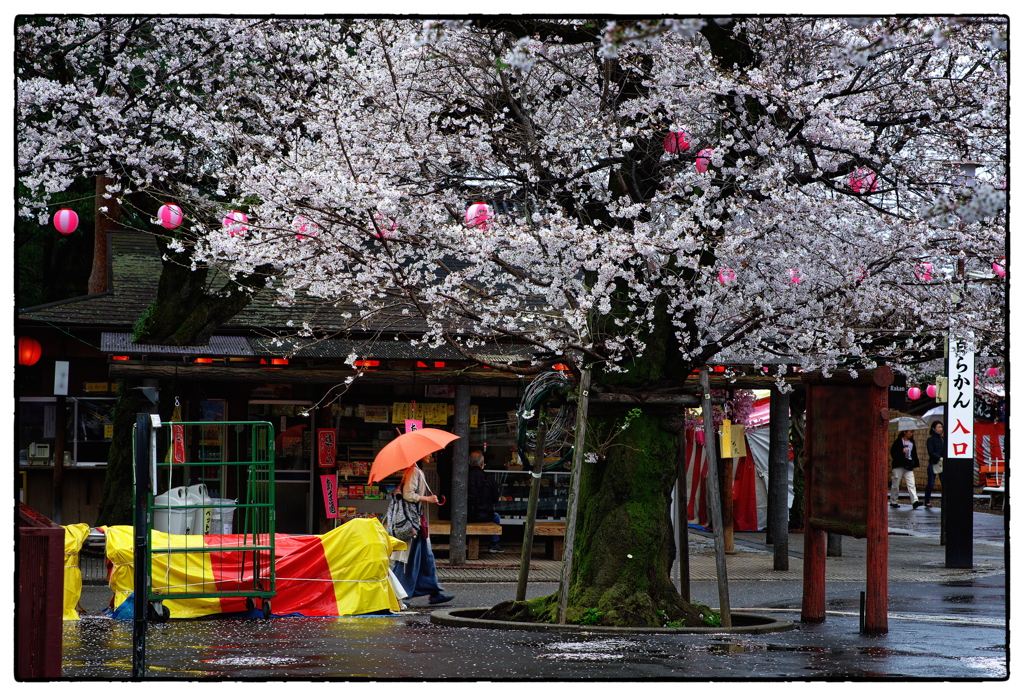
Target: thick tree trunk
(116, 503)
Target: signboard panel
(960, 408)
(838, 458)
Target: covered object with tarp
(341, 573)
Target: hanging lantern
(677, 142)
(913, 393)
(992, 372)
(65, 220)
(29, 351)
(304, 228)
(999, 269)
(863, 181)
(382, 225)
(794, 276)
(726, 275)
(931, 391)
(703, 159)
(923, 271)
(170, 216)
(234, 223)
(477, 215)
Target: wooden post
(682, 516)
(778, 477)
(531, 506)
(460, 478)
(59, 443)
(727, 469)
(715, 498)
(579, 441)
(143, 436)
(876, 607)
(813, 605)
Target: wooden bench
(475, 531)
(553, 534)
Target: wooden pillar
(531, 506)
(682, 516)
(778, 477)
(813, 605)
(714, 496)
(579, 442)
(727, 469)
(460, 478)
(876, 607)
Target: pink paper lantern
(170, 216)
(923, 271)
(703, 159)
(863, 181)
(677, 142)
(913, 393)
(726, 275)
(992, 372)
(477, 215)
(304, 228)
(65, 220)
(794, 276)
(234, 223)
(931, 391)
(999, 269)
(385, 231)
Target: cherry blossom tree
(662, 195)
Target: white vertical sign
(60, 378)
(960, 407)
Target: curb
(466, 618)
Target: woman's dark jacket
(899, 458)
(482, 494)
(936, 448)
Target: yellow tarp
(74, 538)
(341, 573)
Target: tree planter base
(742, 623)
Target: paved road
(946, 624)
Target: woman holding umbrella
(415, 566)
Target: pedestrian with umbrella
(415, 566)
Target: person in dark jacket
(936, 453)
(481, 497)
(904, 461)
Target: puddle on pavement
(591, 651)
(993, 666)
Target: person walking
(904, 461)
(481, 497)
(936, 453)
(415, 566)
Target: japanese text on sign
(960, 409)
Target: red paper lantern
(794, 276)
(931, 391)
(703, 159)
(382, 226)
(863, 181)
(992, 372)
(913, 393)
(726, 275)
(677, 142)
(170, 216)
(304, 228)
(999, 269)
(29, 351)
(234, 223)
(477, 215)
(65, 220)
(923, 271)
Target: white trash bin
(199, 522)
(169, 513)
(222, 518)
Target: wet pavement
(944, 624)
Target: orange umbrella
(407, 449)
